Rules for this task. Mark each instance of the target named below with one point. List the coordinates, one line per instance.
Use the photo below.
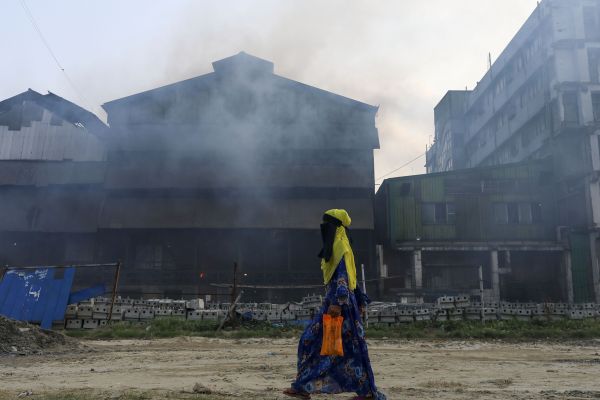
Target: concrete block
(462, 301)
(213, 315)
(90, 324)
(301, 315)
(422, 315)
(446, 302)
(117, 314)
(402, 316)
(576, 314)
(162, 312)
(102, 323)
(287, 315)
(132, 314)
(273, 315)
(473, 314)
(71, 311)
(74, 324)
(178, 313)
(373, 314)
(146, 313)
(101, 311)
(388, 316)
(456, 314)
(85, 311)
(441, 315)
(522, 314)
(194, 315)
(195, 304)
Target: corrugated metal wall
(580, 264)
(473, 202)
(50, 139)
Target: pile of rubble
(95, 313)
(25, 339)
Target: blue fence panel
(35, 296)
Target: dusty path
(258, 368)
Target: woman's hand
(334, 311)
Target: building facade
(438, 229)
(237, 165)
(541, 98)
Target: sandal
(294, 393)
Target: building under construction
(237, 165)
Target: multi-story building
(237, 165)
(541, 98)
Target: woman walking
(336, 374)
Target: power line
(402, 166)
(47, 45)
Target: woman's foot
(294, 393)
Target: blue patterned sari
(331, 374)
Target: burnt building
(437, 229)
(236, 165)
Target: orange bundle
(332, 336)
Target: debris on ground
(21, 338)
(201, 389)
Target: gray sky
(402, 55)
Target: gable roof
(65, 109)
(243, 65)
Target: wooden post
(230, 312)
(114, 290)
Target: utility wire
(47, 45)
(402, 166)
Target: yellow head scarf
(341, 248)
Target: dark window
(594, 65)
(500, 213)
(525, 215)
(517, 213)
(571, 107)
(405, 189)
(428, 213)
(596, 105)
(438, 213)
(513, 213)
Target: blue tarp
(35, 295)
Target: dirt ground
(259, 368)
